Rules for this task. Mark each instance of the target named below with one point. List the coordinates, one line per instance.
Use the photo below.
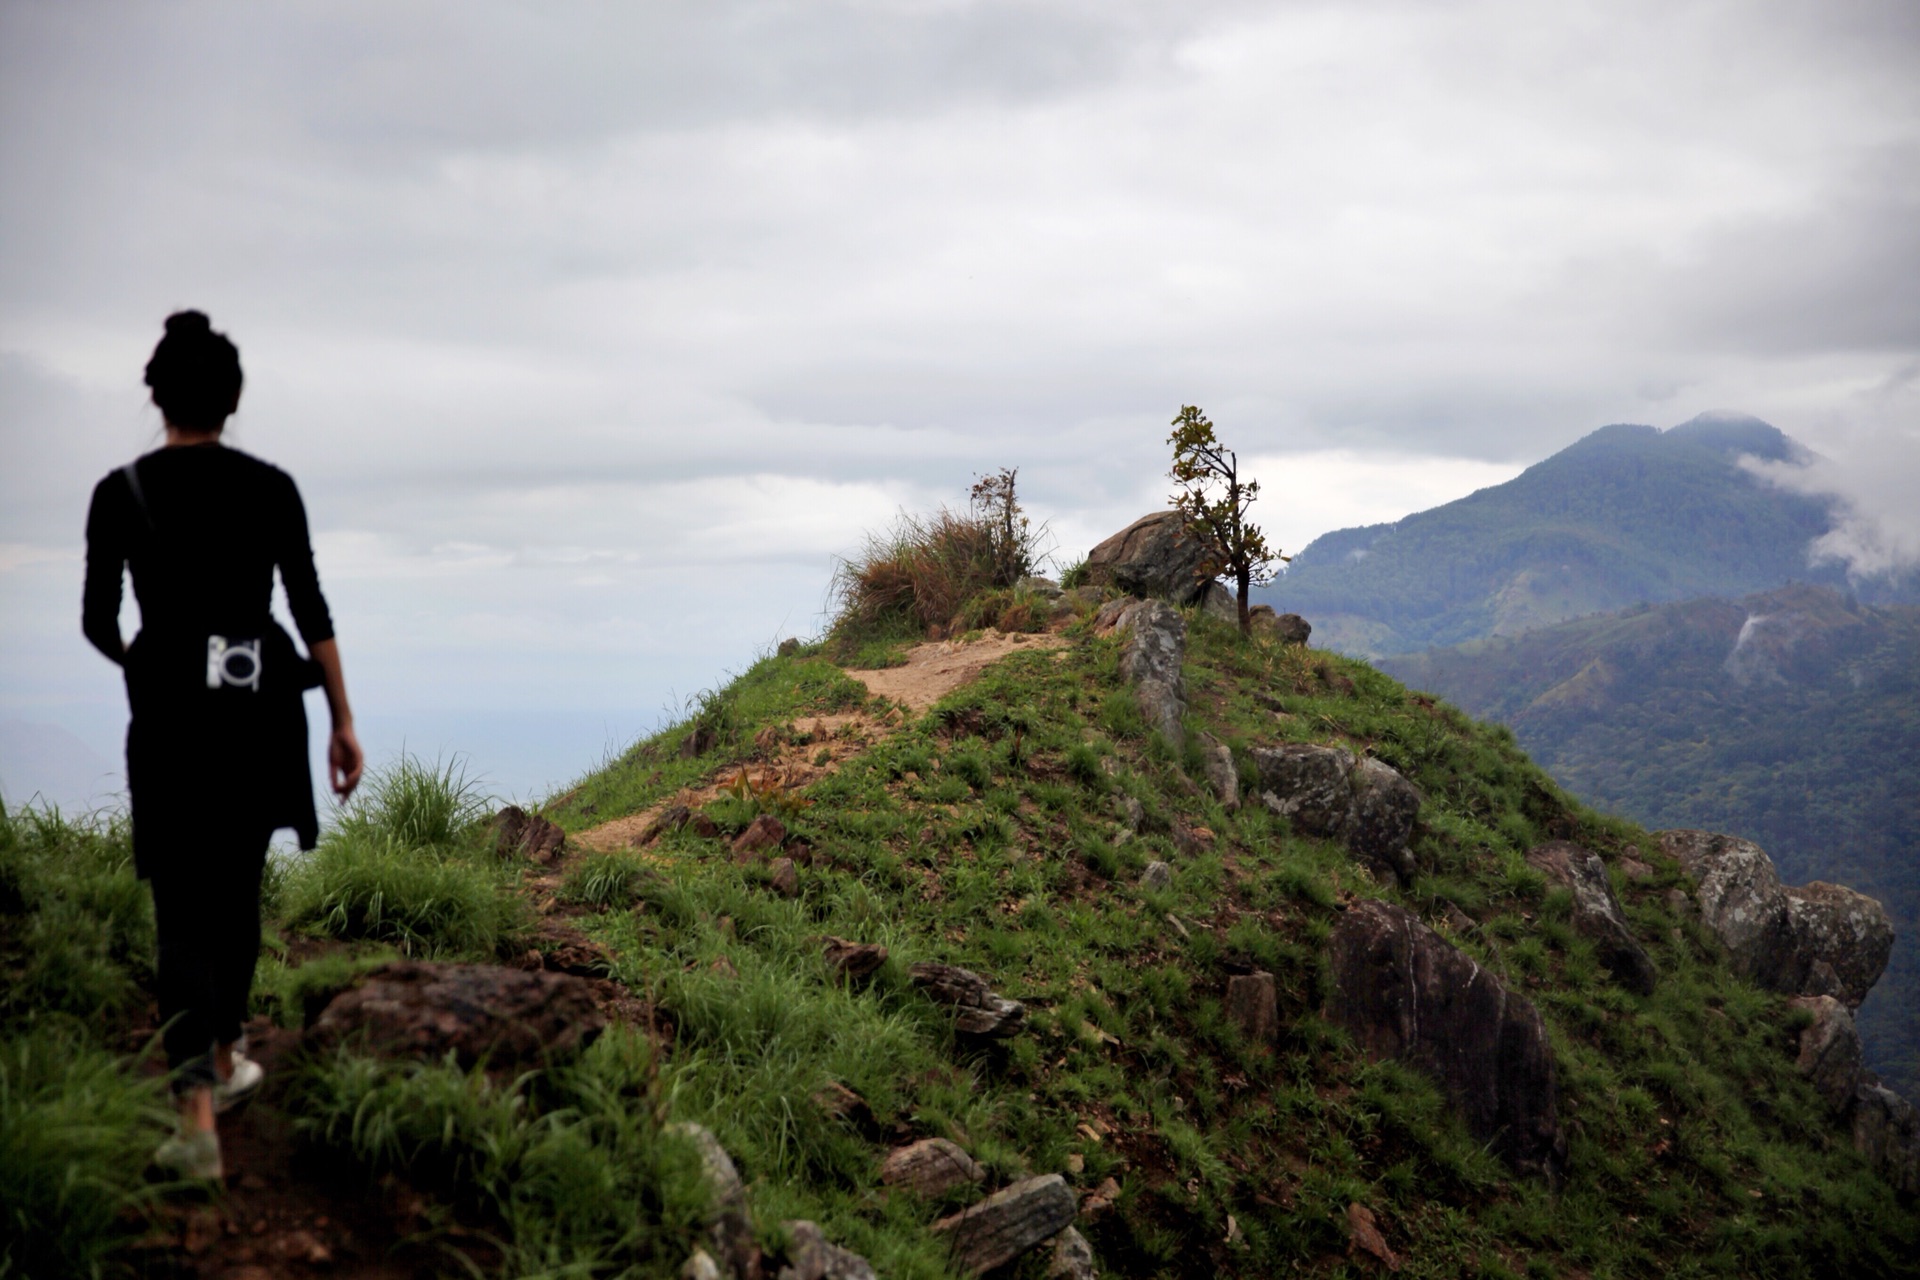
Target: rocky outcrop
(517, 833)
(979, 1010)
(930, 1168)
(1830, 1051)
(1253, 1005)
(854, 961)
(1815, 939)
(1156, 555)
(1597, 914)
(1008, 1223)
(1326, 791)
(1287, 628)
(1886, 1130)
(1402, 991)
(506, 1018)
(1155, 645)
(1222, 775)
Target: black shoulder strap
(132, 472)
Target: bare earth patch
(931, 672)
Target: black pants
(206, 909)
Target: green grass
(993, 833)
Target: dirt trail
(819, 745)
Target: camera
(233, 663)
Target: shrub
(419, 805)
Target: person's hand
(345, 761)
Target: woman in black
(217, 744)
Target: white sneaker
(192, 1156)
(240, 1086)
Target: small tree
(1214, 500)
(1009, 537)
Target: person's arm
(345, 760)
(106, 563)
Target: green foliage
(417, 805)
(1215, 500)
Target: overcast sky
(594, 332)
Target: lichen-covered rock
(811, 1256)
(1402, 991)
(1326, 791)
(506, 1018)
(1072, 1258)
(729, 1227)
(1156, 875)
(1156, 555)
(1815, 939)
(1222, 776)
(1597, 913)
(1215, 599)
(1830, 1051)
(979, 1010)
(1008, 1223)
(931, 1167)
(1842, 938)
(1886, 1130)
(1150, 659)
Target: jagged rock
(673, 818)
(1072, 1258)
(729, 1228)
(1816, 939)
(1132, 812)
(1102, 1198)
(1191, 841)
(1287, 628)
(786, 878)
(699, 740)
(1150, 658)
(1325, 791)
(1108, 615)
(1253, 1005)
(1830, 1051)
(789, 647)
(519, 833)
(1222, 776)
(979, 1010)
(857, 961)
(811, 1256)
(1404, 992)
(479, 1012)
(1886, 1130)
(1156, 555)
(1157, 875)
(1008, 1223)
(1597, 913)
(931, 1167)
(763, 833)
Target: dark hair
(194, 373)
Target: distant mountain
(1791, 717)
(1628, 515)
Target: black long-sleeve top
(226, 520)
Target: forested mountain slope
(1790, 717)
(1627, 515)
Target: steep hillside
(1175, 1041)
(1627, 515)
(1791, 718)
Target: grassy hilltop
(990, 832)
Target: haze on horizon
(593, 334)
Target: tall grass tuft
(76, 1129)
(419, 805)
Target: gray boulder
(1326, 791)
(979, 1010)
(930, 1167)
(1222, 776)
(1597, 914)
(1815, 939)
(1072, 1258)
(1288, 628)
(1151, 653)
(1008, 1223)
(1215, 599)
(1886, 1130)
(811, 1256)
(1403, 992)
(1830, 1051)
(729, 1226)
(1156, 555)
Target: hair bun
(188, 324)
